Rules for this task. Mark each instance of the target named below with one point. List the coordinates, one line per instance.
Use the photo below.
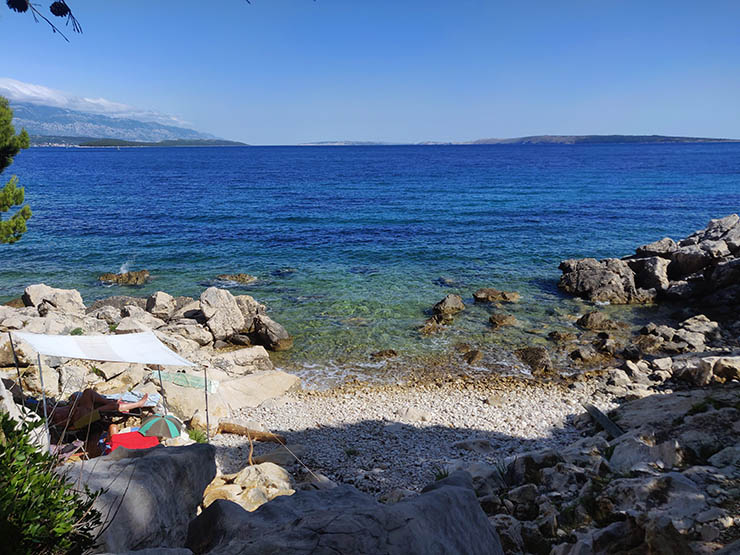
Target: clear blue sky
(290, 71)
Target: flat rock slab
(152, 494)
(252, 390)
(445, 518)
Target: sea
(353, 245)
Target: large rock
(141, 316)
(250, 309)
(257, 484)
(160, 305)
(597, 321)
(537, 358)
(243, 361)
(7, 405)
(62, 300)
(254, 389)
(189, 329)
(222, 312)
(186, 402)
(117, 302)
(687, 260)
(451, 304)
(651, 273)
(445, 518)
(662, 248)
(725, 274)
(150, 495)
(610, 280)
(272, 335)
(720, 228)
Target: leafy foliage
(40, 511)
(57, 9)
(11, 195)
(198, 436)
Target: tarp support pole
(17, 369)
(161, 386)
(43, 397)
(208, 424)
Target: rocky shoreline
(547, 476)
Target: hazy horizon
(299, 72)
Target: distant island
(548, 140)
(596, 139)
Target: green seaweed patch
(703, 406)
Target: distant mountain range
(49, 122)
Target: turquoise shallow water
(349, 243)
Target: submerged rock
(127, 278)
(244, 279)
(537, 358)
(499, 320)
(384, 354)
(490, 295)
(451, 304)
(596, 320)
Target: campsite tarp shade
(142, 348)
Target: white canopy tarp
(142, 348)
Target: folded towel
(154, 399)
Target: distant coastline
(97, 142)
(547, 140)
(53, 140)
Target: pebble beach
(384, 437)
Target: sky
(295, 71)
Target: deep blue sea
(352, 245)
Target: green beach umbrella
(161, 425)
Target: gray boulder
(61, 300)
(610, 280)
(451, 304)
(152, 494)
(445, 518)
(272, 335)
(222, 312)
(250, 309)
(687, 260)
(662, 248)
(715, 230)
(651, 273)
(161, 305)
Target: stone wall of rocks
(223, 334)
(705, 265)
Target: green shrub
(40, 511)
(112, 327)
(77, 331)
(440, 473)
(199, 436)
